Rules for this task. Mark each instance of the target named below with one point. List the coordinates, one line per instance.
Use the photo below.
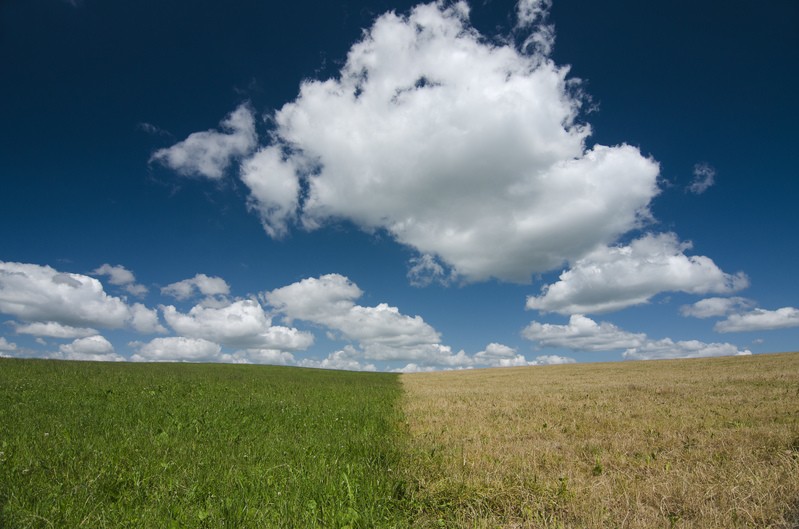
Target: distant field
(178, 445)
(674, 444)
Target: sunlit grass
(179, 445)
(691, 443)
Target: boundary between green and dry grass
(184, 445)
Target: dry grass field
(709, 443)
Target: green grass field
(673, 444)
(96, 445)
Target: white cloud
(612, 278)
(760, 320)
(348, 359)
(666, 348)
(205, 285)
(274, 189)
(5, 345)
(425, 270)
(265, 356)
(92, 348)
(529, 12)
(704, 178)
(499, 355)
(210, 152)
(42, 294)
(329, 300)
(582, 334)
(466, 150)
(381, 332)
(242, 324)
(145, 320)
(713, 307)
(551, 360)
(121, 276)
(179, 349)
(53, 329)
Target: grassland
(674, 444)
(177, 445)
(671, 444)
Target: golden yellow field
(709, 443)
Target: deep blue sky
(92, 90)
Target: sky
(386, 185)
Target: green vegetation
(97, 445)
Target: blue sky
(392, 185)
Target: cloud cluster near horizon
(55, 307)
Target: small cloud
(760, 320)
(53, 329)
(714, 307)
(704, 178)
(153, 130)
(122, 277)
(92, 348)
(426, 270)
(551, 360)
(7, 346)
(205, 285)
(210, 152)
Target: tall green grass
(98, 445)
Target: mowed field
(707, 443)
(689, 443)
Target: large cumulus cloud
(468, 151)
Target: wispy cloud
(704, 178)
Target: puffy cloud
(240, 324)
(5, 345)
(92, 348)
(666, 348)
(612, 278)
(711, 307)
(210, 152)
(145, 320)
(704, 178)
(274, 189)
(205, 285)
(466, 150)
(499, 355)
(179, 349)
(329, 301)
(42, 294)
(53, 329)
(760, 320)
(582, 334)
(121, 276)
